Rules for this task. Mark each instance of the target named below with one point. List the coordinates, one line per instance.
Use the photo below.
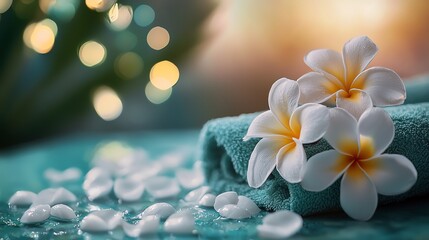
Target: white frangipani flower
(283, 129)
(358, 156)
(342, 79)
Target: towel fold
(225, 158)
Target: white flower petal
(280, 225)
(190, 178)
(283, 99)
(162, 210)
(224, 199)
(180, 223)
(62, 212)
(391, 173)
(36, 214)
(127, 189)
(248, 205)
(262, 161)
(358, 196)
(147, 225)
(377, 131)
(290, 161)
(356, 102)
(97, 184)
(310, 122)
(316, 88)
(111, 217)
(207, 200)
(160, 187)
(53, 196)
(323, 169)
(22, 198)
(342, 133)
(92, 223)
(326, 61)
(232, 211)
(196, 195)
(266, 125)
(383, 85)
(357, 54)
(55, 176)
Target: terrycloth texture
(225, 158)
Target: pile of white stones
(128, 177)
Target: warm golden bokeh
(107, 103)
(92, 53)
(164, 75)
(158, 38)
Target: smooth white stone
(98, 183)
(22, 198)
(123, 163)
(36, 214)
(92, 223)
(180, 223)
(162, 210)
(62, 212)
(190, 179)
(224, 199)
(162, 187)
(147, 225)
(279, 225)
(207, 200)
(248, 205)
(127, 189)
(174, 159)
(55, 176)
(232, 211)
(111, 217)
(196, 195)
(53, 196)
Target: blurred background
(93, 66)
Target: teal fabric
(417, 89)
(225, 157)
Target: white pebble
(280, 225)
(36, 214)
(196, 195)
(224, 199)
(101, 220)
(160, 187)
(162, 210)
(22, 198)
(180, 223)
(139, 174)
(127, 189)
(53, 196)
(55, 176)
(62, 212)
(147, 225)
(232, 206)
(98, 183)
(207, 200)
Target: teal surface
(22, 169)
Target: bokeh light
(124, 18)
(164, 75)
(92, 53)
(107, 103)
(59, 9)
(156, 95)
(144, 15)
(100, 5)
(126, 40)
(40, 36)
(158, 38)
(129, 65)
(113, 13)
(5, 5)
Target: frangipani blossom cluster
(358, 132)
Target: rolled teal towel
(417, 89)
(225, 158)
